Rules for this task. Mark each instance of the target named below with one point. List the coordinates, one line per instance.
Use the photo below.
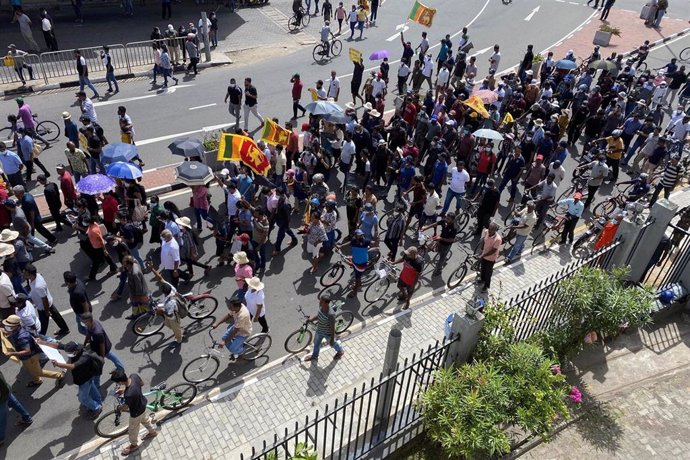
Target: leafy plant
(466, 408)
(210, 141)
(537, 59)
(612, 30)
(497, 333)
(303, 451)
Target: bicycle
(619, 201)
(204, 367)
(386, 272)
(111, 424)
(471, 262)
(199, 306)
(579, 185)
(426, 244)
(402, 203)
(468, 208)
(302, 337)
(336, 270)
(322, 52)
(293, 24)
(48, 130)
(684, 54)
(550, 232)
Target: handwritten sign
(355, 55)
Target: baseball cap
(242, 237)
(359, 232)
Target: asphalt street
(165, 115)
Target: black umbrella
(261, 181)
(187, 147)
(193, 173)
(338, 118)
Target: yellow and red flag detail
(422, 14)
(244, 149)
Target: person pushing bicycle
(239, 330)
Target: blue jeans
(318, 338)
(281, 236)
(80, 326)
(89, 395)
(110, 79)
(513, 186)
(115, 359)
(259, 255)
(84, 81)
(40, 244)
(236, 345)
(135, 253)
(517, 247)
(14, 403)
(201, 213)
(450, 194)
(631, 151)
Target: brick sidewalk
(270, 404)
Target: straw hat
(6, 249)
(254, 283)
(12, 321)
(8, 235)
(368, 106)
(66, 115)
(375, 113)
(538, 122)
(240, 257)
(350, 105)
(184, 221)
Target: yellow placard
(355, 55)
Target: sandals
(149, 435)
(129, 449)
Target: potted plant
(536, 62)
(602, 37)
(210, 142)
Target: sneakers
(339, 355)
(310, 358)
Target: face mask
(9, 328)
(71, 355)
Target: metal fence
(352, 427)
(11, 73)
(60, 64)
(673, 253)
(534, 312)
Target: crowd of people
(426, 162)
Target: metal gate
(672, 255)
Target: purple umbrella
(378, 55)
(94, 184)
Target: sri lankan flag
(244, 149)
(275, 134)
(422, 14)
(507, 119)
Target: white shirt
(494, 59)
(39, 290)
(377, 87)
(201, 24)
(558, 172)
(6, 290)
(432, 202)
(458, 179)
(680, 130)
(325, 33)
(443, 76)
(88, 109)
(423, 46)
(334, 88)
(170, 253)
(45, 25)
(233, 198)
(281, 162)
(28, 317)
(321, 93)
(352, 17)
(428, 67)
(252, 299)
(404, 70)
(347, 152)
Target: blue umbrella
(566, 64)
(323, 108)
(123, 170)
(95, 184)
(118, 151)
(378, 55)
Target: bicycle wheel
(642, 67)
(457, 276)
(332, 275)
(305, 20)
(374, 256)
(376, 290)
(48, 130)
(147, 324)
(112, 425)
(298, 340)
(685, 54)
(201, 369)
(560, 209)
(319, 53)
(292, 24)
(383, 222)
(343, 321)
(570, 191)
(461, 221)
(257, 346)
(604, 208)
(539, 239)
(582, 241)
(7, 137)
(178, 396)
(336, 47)
(202, 307)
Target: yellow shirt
(243, 322)
(615, 148)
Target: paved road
(169, 114)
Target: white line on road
(158, 92)
(202, 106)
(482, 51)
(187, 133)
(532, 13)
(400, 28)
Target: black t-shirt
(447, 231)
(77, 297)
(85, 367)
(134, 397)
(235, 93)
(98, 336)
(250, 101)
(94, 145)
(488, 203)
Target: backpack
(182, 310)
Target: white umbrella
(488, 134)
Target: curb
(72, 84)
(660, 41)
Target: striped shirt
(325, 321)
(670, 176)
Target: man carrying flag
(234, 147)
(274, 134)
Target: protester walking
(83, 73)
(325, 330)
(251, 103)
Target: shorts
(314, 250)
(417, 210)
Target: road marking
(532, 13)
(159, 92)
(202, 106)
(400, 27)
(482, 51)
(187, 133)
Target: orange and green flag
(242, 148)
(275, 134)
(422, 14)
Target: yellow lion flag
(274, 134)
(507, 119)
(422, 14)
(244, 149)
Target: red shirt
(67, 187)
(410, 114)
(293, 143)
(486, 160)
(411, 151)
(297, 89)
(110, 205)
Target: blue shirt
(244, 185)
(29, 205)
(440, 171)
(406, 175)
(71, 132)
(26, 147)
(360, 251)
(631, 126)
(574, 209)
(11, 163)
(560, 155)
(368, 224)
